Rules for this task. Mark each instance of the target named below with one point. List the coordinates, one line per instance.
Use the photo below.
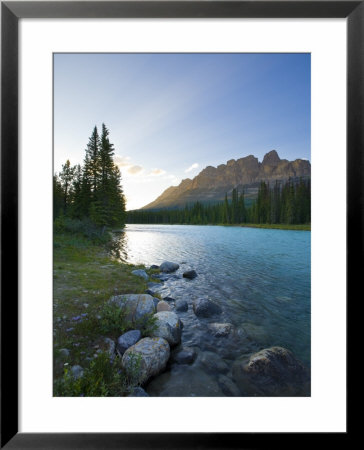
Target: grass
(85, 277)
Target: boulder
(126, 340)
(168, 267)
(186, 355)
(168, 327)
(273, 371)
(163, 306)
(110, 347)
(213, 362)
(76, 371)
(136, 306)
(203, 307)
(228, 387)
(220, 329)
(138, 392)
(181, 305)
(153, 284)
(141, 273)
(153, 266)
(190, 274)
(64, 353)
(185, 381)
(148, 357)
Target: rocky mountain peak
(271, 158)
(211, 184)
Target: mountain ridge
(246, 173)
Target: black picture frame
(11, 12)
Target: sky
(171, 115)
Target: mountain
(211, 184)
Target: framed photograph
(164, 165)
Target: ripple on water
(261, 279)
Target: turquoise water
(260, 277)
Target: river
(260, 278)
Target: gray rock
(64, 353)
(228, 387)
(126, 340)
(168, 327)
(138, 392)
(76, 371)
(203, 307)
(153, 266)
(181, 305)
(149, 292)
(273, 371)
(190, 274)
(148, 357)
(168, 267)
(141, 273)
(161, 276)
(111, 347)
(136, 306)
(168, 299)
(186, 381)
(213, 362)
(152, 285)
(220, 329)
(186, 355)
(156, 301)
(163, 306)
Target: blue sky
(171, 115)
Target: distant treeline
(288, 203)
(92, 191)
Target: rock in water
(228, 387)
(186, 355)
(203, 307)
(126, 340)
(138, 392)
(213, 362)
(136, 306)
(220, 329)
(273, 371)
(190, 274)
(148, 357)
(168, 267)
(163, 306)
(187, 381)
(168, 327)
(181, 305)
(141, 273)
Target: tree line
(288, 203)
(93, 190)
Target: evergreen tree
(66, 179)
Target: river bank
(85, 277)
(205, 359)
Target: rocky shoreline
(167, 367)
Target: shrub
(103, 378)
(113, 320)
(84, 227)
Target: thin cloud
(157, 172)
(134, 170)
(122, 161)
(193, 167)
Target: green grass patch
(85, 277)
